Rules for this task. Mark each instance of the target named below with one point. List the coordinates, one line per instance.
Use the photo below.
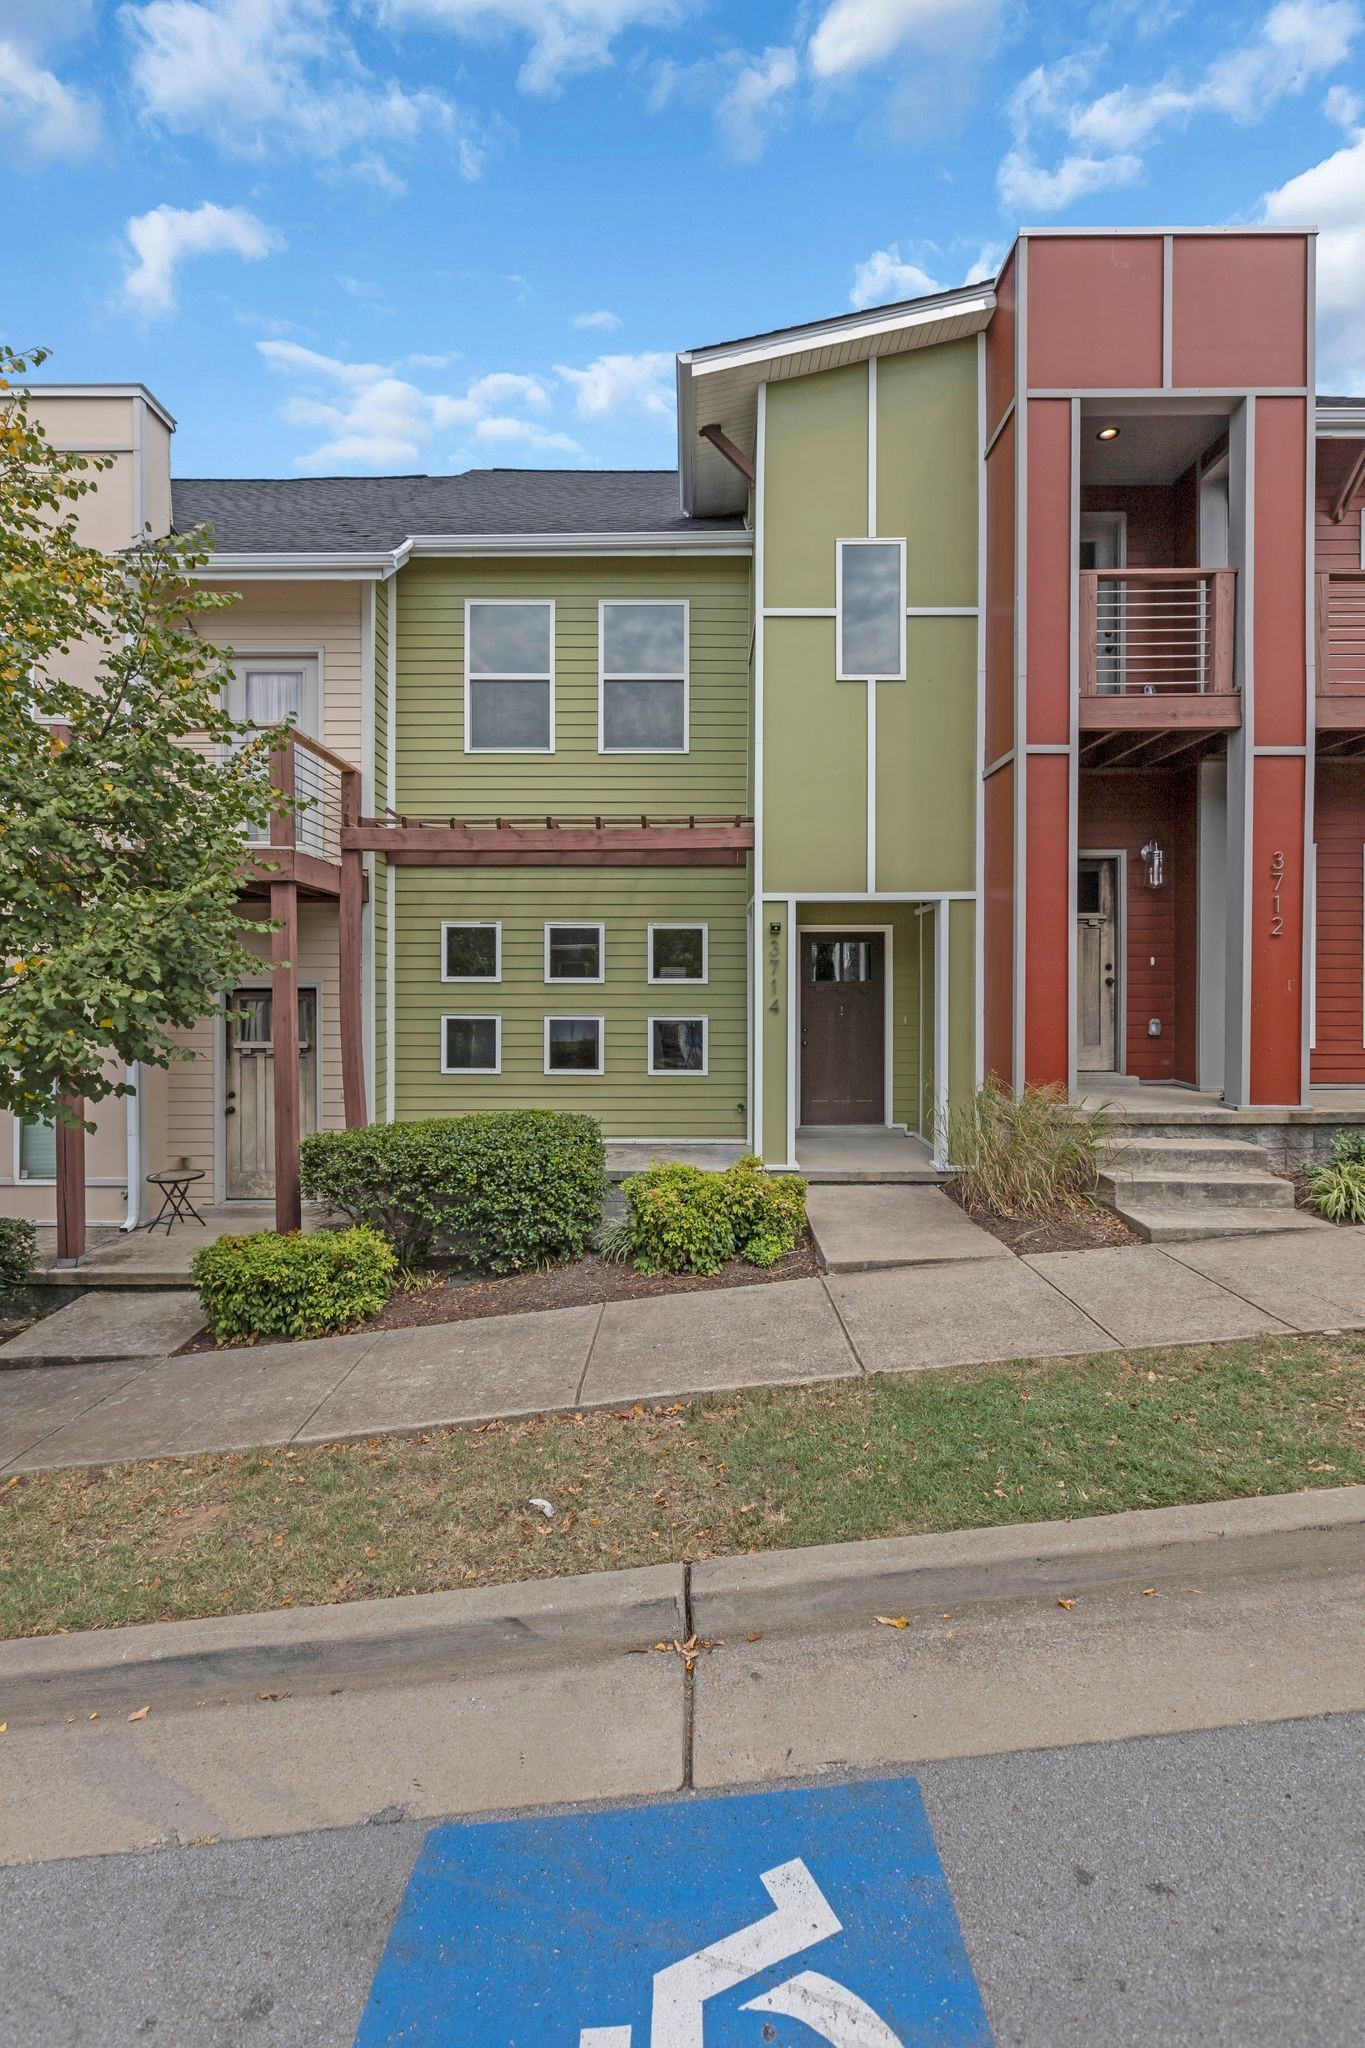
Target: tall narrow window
(644, 655)
(37, 1150)
(871, 622)
(509, 677)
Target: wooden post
(1089, 632)
(71, 1187)
(284, 1000)
(348, 949)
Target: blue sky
(391, 235)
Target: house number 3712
(1276, 885)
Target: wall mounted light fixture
(1156, 863)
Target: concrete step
(1140, 1154)
(1184, 1191)
(1177, 1226)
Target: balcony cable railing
(1148, 632)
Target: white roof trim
(1341, 422)
(790, 341)
(369, 563)
(98, 391)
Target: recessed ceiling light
(1107, 434)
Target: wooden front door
(843, 1028)
(249, 1110)
(1097, 959)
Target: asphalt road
(1200, 1888)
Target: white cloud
(39, 115)
(564, 35)
(370, 417)
(602, 318)
(853, 35)
(164, 238)
(746, 110)
(500, 428)
(1293, 45)
(886, 275)
(1332, 195)
(256, 75)
(642, 383)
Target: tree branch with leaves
(127, 792)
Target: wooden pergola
(318, 853)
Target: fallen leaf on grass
(892, 1620)
(1149, 1592)
(138, 1714)
(1065, 1603)
(4, 1727)
(756, 1637)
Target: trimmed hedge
(685, 1220)
(18, 1252)
(506, 1188)
(273, 1285)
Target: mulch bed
(585, 1283)
(1084, 1230)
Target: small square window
(574, 952)
(471, 952)
(677, 1045)
(677, 952)
(573, 1045)
(471, 1045)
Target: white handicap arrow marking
(803, 1916)
(830, 2010)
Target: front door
(249, 1110)
(1097, 955)
(843, 1028)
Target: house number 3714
(1276, 885)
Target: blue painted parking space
(767, 1920)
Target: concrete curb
(535, 1622)
(837, 1583)
(359, 1643)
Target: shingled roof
(356, 514)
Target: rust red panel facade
(1239, 316)
(1094, 314)
(998, 886)
(1277, 933)
(1120, 813)
(1281, 572)
(1000, 344)
(1047, 958)
(1049, 571)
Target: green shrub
(1032, 1154)
(680, 1220)
(684, 1220)
(767, 1211)
(507, 1189)
(1336, 1188)
(18, 1252)
(269, 1285)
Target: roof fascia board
(363, 566)
(1147, 233)
(98, 391)
(735, 541)
(1341, 422)
(821, 334)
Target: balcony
(304, 845)
(1341, 650)
(1157, 675)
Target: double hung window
(509, 676)
(643, 706)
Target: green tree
(125, 789)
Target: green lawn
(823, 1464)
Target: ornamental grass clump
(1031, 1155)
(270, 1284)
(682, 1219)
(1336, 1188)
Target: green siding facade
(630, 1101)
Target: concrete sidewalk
(666, 1347)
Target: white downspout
(133, 1146)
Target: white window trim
(577, 924)
(603, 678)
(19, 1178)
(307, 656)
(680, 1073)
(472, 1017)
(841, 675)
(577, 1073)
(460, 924)
(508, 676)
(681, 924)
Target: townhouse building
(984, 692)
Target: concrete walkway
(905, 1319)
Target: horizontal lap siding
(305, 615)
(437, 778)
(630, 1102)
(1339, 829)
